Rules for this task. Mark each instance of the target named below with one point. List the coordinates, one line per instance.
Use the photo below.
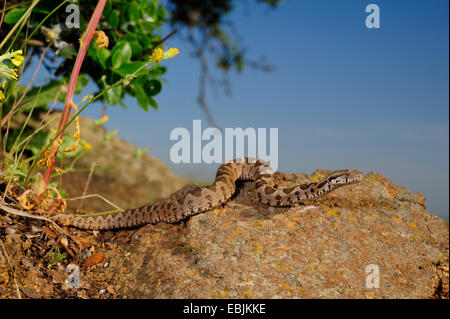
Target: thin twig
(17, 212)
(3, 14)
(91, 171)
(16, 5)
(95, 195)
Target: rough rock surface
(317, 250)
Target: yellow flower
(17, 58)
(86, 146)
(14, 74)
(2, 96)
(157, 55)
(170, 53)
(6, 72)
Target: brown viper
(208, 197)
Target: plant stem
(86, 40)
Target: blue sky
(341, 95)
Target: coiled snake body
(208, 197)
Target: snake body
(205, 198)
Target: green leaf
(153, 87)
(141, 97)
(40, 10)
(151, 9)
(143, 40)
(14, 172)
(120, 54)
(113, 95)
(159, 70)
(141, 79)
(107, 9)
(123, 10)
(153, 103)
(113, 19)
(133, 12)
(128, 68)
(116, 60)
(126, 52)
(136, 48)
(14, 15)
(161, 13)
(103, 54)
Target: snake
(182, 206)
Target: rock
(327, 248)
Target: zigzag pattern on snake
(208, 197)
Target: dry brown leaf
(48, 232)
(93, 259)
(64, 241)
(24, 201)
(81, 242)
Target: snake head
(345, 176)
